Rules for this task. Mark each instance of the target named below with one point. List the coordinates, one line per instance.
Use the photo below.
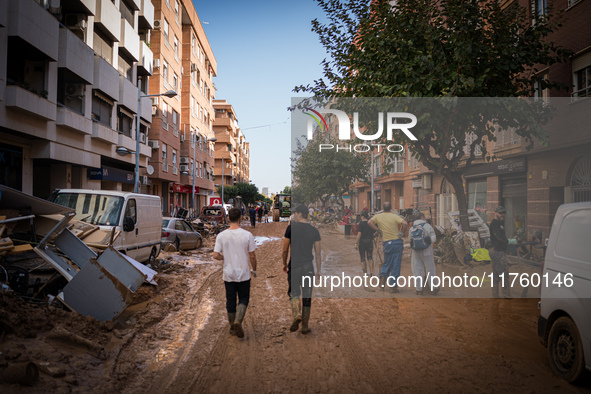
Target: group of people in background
(258, 211)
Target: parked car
(136, 216)
(214, 213)
(564, 324)
(180, 233)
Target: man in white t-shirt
(235, 247)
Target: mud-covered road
(177, 340)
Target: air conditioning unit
(75, 21)
(156, 63)
(157, 24)
(154, 144)
(182, 136)
(143, 138)
(185, 160)
(144, 180)
(74, 89)
(182, 70)
(184, 168)
(427, 180)
(154, 110)
(193, 67)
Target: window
(192, 106)
(583, 82)
(176, 10)
(193, 39)
(470, 138)
(165, 32)
(164, 115)
(477, 197)
(126, 67)
(103, 46)
(176, 48)
(168, 3)
(126, 13)
(175, 120)
(541, 93)
(124, 122)
(174, 161)
(130, 210)
(164, 155)
(165, 72)
(102, 109)
(175, 82)
(539, 10)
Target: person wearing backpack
(422, 237)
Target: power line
(267, 125)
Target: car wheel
(565, 350)
(199, 243)
(152, 258)
(177, 244)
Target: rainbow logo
(316, 118)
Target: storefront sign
(417, 183)
(507, 166)
(106, 173)
(377, 187)
(179, 188)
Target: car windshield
(212, 212)
(101, 210)
(165, 223)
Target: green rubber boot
(240, 311)
(297, 315)
(305, 320)
(231, 318)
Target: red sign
(215, 201)
(179, 188)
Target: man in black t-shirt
(498, 256)
(364, 244)
(300, 238)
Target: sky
(263, 50)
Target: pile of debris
(97, 280)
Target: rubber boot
(297, 315)
(305, 319)
(240, 311)
(231, 318)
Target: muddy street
(177, 339)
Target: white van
(564, 324)
(137, 216)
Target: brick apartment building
(232, 152)
(182, 153)
(530, 184)
(69, 78)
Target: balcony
(146, 109)
(144, 65)
(127, 94)
(34, 25)
(106, 78)
(21, 99)
(109, 18)
(104, 133)
(73, 121)
(146, 16)
(127, 142)
(75, 55)
(130, 40)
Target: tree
(433, 48)
(286, 190)
(248, 192)
(319, 175)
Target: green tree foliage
(286, 190)
(322, 174)
(433, 48)
(248, 192)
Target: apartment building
(232, 152)
(181, 138)
(529, 184)
(69, 78)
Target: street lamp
(223, 165)
(170, 94)
(195, 165)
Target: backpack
(418, 238)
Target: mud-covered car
(180, 233)
(214, 214)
